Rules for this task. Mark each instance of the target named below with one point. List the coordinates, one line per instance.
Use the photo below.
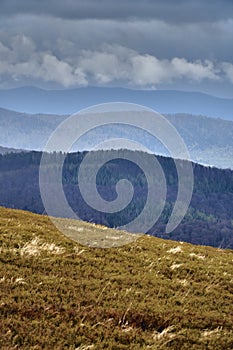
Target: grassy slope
(150, 294)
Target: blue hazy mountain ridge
(36, 100)
(209, 140)
(6, 150)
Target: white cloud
(148, 70)
(58, 71)
(194, 70)
(110, 64)
(228, 70)
(23, 61)
(114, 63)
(103, 67)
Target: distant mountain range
(209, 140)
(6, 150)
(26, 131)
(35, 100)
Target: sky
(139, 44)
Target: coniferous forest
(208, 221)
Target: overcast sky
(142, 44)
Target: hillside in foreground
(150, 294)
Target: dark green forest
(208, 221)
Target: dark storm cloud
(138, 43)
(167, 10)
(164, 40)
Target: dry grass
(37, 246)
(150, 294)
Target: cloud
(159, 50)
(22, 61)
(63, 37)
(181, 11)
(228, 70)
(109, 65)
(197, 70)
(148, 69)
(116, 63)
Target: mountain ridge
(37, 100)
(209, 140)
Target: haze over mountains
(209, 140)
(35, 100)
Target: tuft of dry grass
(175, 250)
(37, 246)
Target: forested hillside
(208, 221)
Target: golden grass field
(149, 294)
